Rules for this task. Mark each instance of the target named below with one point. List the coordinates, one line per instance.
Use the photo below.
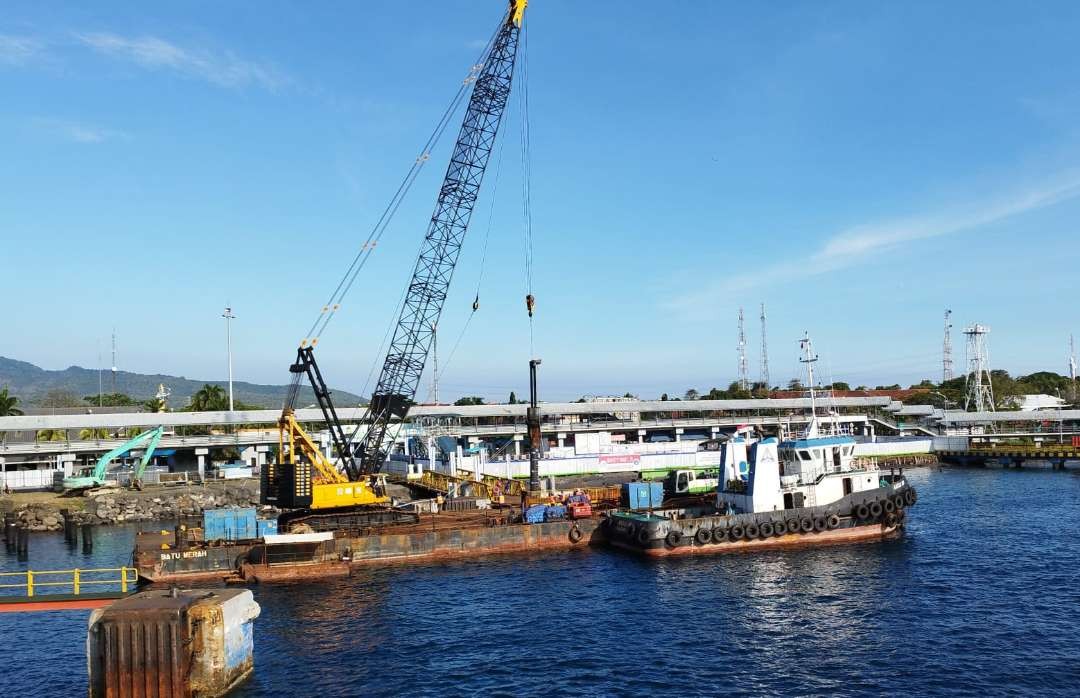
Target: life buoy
(890, 519)
(898, 501)
(767, 530)
(909, 496)
(806, 524)
(752, 531)
(862, 512)
(674, 538)
(737, 532)
(819, 524)
(575, 534)
(643, 535)
(703, 536)
(888, 505)
(832, 522)
(875, 509)
(792, 525)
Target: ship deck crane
(322, 493)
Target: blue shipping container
(229, 524)
(555, 512)
(535, 513)
(643, 495)
(266, 527)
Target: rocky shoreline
(124, 506)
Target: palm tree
(93, 434)
(7, 404)
(209, 398)
(52, 435)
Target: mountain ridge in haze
(31, 383)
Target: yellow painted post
(75, 581)
(29, 583)
(123, 580)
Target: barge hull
(467, 542)
(854, 534)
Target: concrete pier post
(11, 534)
(201, 454)
(87, 538)
(23, 544)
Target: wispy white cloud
(16, 50)
(862, 242)
(476, 44)
(224, 69)
(77, 132)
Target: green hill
(31, 384)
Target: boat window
(804, 455)
(817, 453)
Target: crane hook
(530, 304)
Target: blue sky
(858, 167)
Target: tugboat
(775, 494)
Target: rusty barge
(171, 556)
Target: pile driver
(349, 491)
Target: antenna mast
(744, 373)
(114, 362)
(946, 350)
(1072, 370)
(980, 391)
(810, 358)
(764, 353)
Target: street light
(943, 397)
(229, 317)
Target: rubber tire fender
(888, 505)
(876, 509)
(673, 538)
(752, 531)
(910, 496)
(779, 528)
(703, 536)
(832, 522)
(643, 536)
(820, 524)
(719, 534)
(862, 512)
(898, 501)
(806, 524)
(767, 530)
(575, 534)
(792, 525)
(737, 532)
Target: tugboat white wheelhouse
(786, 492)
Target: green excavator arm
(153, 436)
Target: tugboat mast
(809, 358)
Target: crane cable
(330, 308)
(526, 183)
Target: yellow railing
(73, 579)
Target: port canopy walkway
(64, 590)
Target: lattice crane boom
(439, 252)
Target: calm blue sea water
(981, 596)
